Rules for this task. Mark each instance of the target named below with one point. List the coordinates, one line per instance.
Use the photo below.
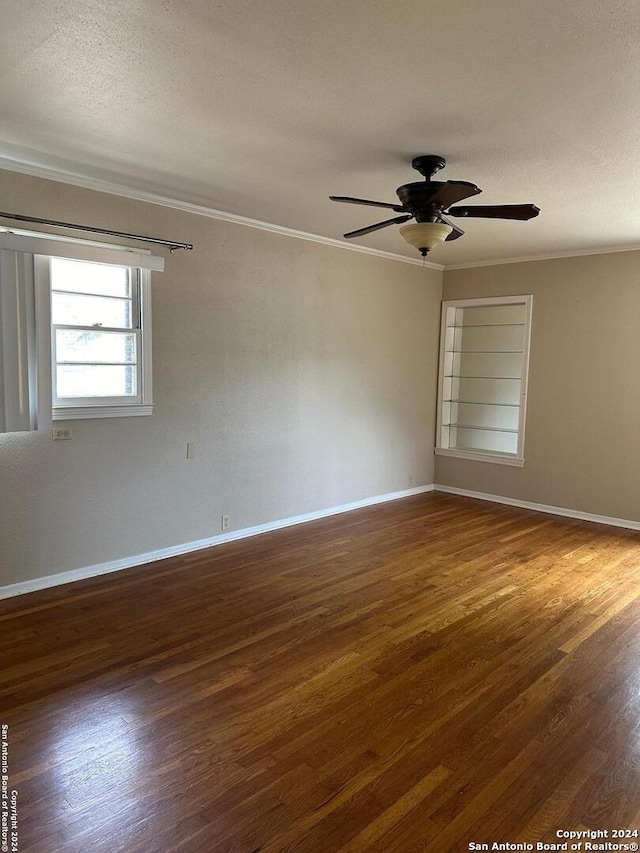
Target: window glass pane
(96, 381)
(101, 347)
(87, 277)
(73, 309)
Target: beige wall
(305, 374)
(583, 415)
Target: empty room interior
(319, 425)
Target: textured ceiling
(263, 109)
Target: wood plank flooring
(411, 677)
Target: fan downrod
(428, 165)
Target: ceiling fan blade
(497, 211)
(399, 207)
(397, 221)
(455, 233)
(450, 192)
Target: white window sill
(76, 413)
(479, 456)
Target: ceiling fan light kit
(424, 236)
(430, 202)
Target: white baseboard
(552, 510)
(175, 550)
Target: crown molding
(100, 185)
(577, 253)
(112, 188)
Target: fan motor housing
(417, 198)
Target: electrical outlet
(225, 521)
(62, 433)
(191, 450)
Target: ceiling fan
(427, 202)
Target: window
(484, 356)
(100, 348)
(75, 330)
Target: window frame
(80, 408)
(494, 456)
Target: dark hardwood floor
(412, 677)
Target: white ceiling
(264, 109)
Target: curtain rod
(172, 244)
